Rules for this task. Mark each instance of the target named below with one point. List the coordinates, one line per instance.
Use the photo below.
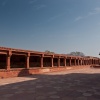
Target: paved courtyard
(78, 84)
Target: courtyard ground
(77, 84)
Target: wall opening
(3, 61)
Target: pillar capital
(52, 56)
(65, 57)
(9, 53)
(58, 57)
(28, 54)
(42, 55)
(70, 57)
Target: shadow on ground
(73, 86)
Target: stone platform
(77, 84)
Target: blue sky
(61, 26)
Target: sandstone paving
(77, 84)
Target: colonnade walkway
(77, 84)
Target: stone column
(8, 57)
(58, 61)
(75, 61)
(87, 62)
(65, 61)
(42, 60)
(70, 62)
(52, 61)
(90, 61)
(94, 62)
(82, 61)
(78, 62)
(27, 60)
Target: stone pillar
(70, 62)
(42, 60)
(8, 57)
(75, 61)
(27, 61)
(81, 61)
(58, 61)
(84, 61)
(52, 61)
(87, 62)
(97, 61)
(91, 61)
(65, 61)
(78, 62)
(94, 61)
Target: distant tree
(49, 52)
(77, 53)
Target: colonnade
(67, 60)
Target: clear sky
(61, 26)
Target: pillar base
(8, 68)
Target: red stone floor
(78, 84)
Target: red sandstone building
(17, 62)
